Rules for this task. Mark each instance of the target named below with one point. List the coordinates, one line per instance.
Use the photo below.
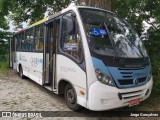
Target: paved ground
(25, 95)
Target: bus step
(47, 84)
(48, 87)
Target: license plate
(134, 102)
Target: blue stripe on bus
(117, 75)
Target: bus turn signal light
(82, 93)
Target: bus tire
(71, 98)
(21, 72)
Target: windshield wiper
(111, 40)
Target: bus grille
(131, 95)
(128, 78)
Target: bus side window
(22, 41)
(31, 39)
(18, 42)
(26, 48)
(51, 36)
(39, 36)
(71, 42)
(36, 38)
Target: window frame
(23, 35)
(35, 37)
(61, 40)
(18, 42)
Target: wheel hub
(71, 96)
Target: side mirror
(70, 25)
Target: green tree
(3, 35)
(3, 13)
(34, 10)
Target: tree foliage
(34, 10)
(138, 11)
(3, 13)
(3, 34)
(4, 48)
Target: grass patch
(4, 66)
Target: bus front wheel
(71, 98)
(21, 72)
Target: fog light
(147, 92)
(120, 96)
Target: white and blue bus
(90, 55)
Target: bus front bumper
(103, 97)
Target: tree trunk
(104, 4)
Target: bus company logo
(22, 58)
(34, 61)
(136, 81)
(67, 69)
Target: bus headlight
(103, 78)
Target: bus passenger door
(50, 54)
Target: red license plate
(134, 102)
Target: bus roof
(34, 24)
(39, 22)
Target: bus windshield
(110, 35)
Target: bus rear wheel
(21, 72)
(71, 98)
